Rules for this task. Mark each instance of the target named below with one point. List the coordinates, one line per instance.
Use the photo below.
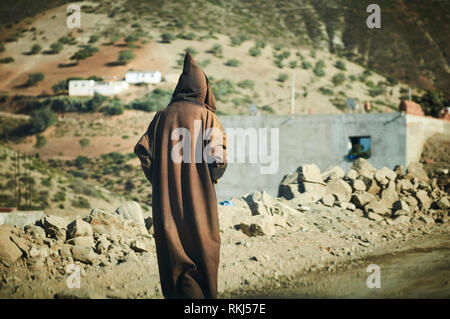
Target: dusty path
(417, 271)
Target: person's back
(183, 143)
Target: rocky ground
(319, 223)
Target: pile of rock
(99, 239)
(383, 194)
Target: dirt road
(419, 271)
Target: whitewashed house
(89, 87)
(143, 77)
(81, 87)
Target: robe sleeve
(218, 145)
(143, 151)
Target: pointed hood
(193, 85)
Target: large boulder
(35, 231)
(82, 241)
(262, 225)
(131, 211)
(389, 195)
(364, 168)
(416, 170)
(339, 189)
(55, 226)
(385, 175)
(443, 203)
(424, 200)
(261, 203)
(310, 179)
(79, 228)
(9, 252)
(105, 223)
(333, 173)
(84, 254)
(360, 199)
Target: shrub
(84, 53)
(237, 40)
(60, 196)
(246, 84)
(338, 79)
(318, 68)
(282, 77)
(56, 47)
(233, 62)
(153, 101)
(222, 89)
(278, 46)
(254, 51)
(306, 65)
(326, 91)
(80, 161)
(260, 44)
(187, 36)
(191, 50)
(84, 142)
(293, 64)
(115, 107)
(340, 65)
(93, 38)
(167, 37)
(81, 202)
(125, 56)
(35, 49)
(375, 91)
(34, 78)
(40, 141)
(40, 120)
(7, 60)
(216, 50)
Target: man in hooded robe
(185, 212)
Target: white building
(89, 87)
(143, 77)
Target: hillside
(254, 66)
(411, 46)
(51, 189)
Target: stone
(400, 205)
(340, 189)
(385, 173)
(404, 185)
(351, 174)
(389, 196)
(35, 231)
(105, 223)
(21, 244)
(288, 191)
(351, 207)
(402, 219)
(400, 212)
(102, 244)
(372, 187)
(362, 198)
(377, 206)
(55, 226)
(424, 200)
(82, 241)
(412, 202)
(328, 200)
(261, 203)
(65, 251)
(261, 225)
(141, 245)
(416, 169)
(426, 219)
(9, 252)
(290, 179)
(359, 185)
(398, 169)
(333, 173)
(364, 168)
(310, 179)
(131, 211)
(84, 254)
(374, 216)
(443, 203)
(79, 228)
